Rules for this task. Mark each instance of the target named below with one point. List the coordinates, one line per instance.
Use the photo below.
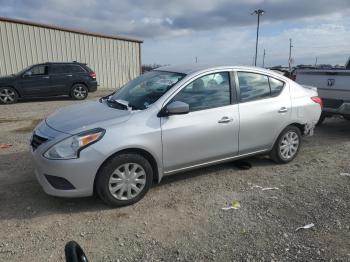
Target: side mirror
(175, 108)
(27, 74)
(74, 253)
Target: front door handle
(283, 110)
(69, 75)
(46, 77)
(225, 119)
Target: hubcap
(79, 92)
(127, 181)
(289, 145)
(7, 95)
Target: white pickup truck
(333, 86)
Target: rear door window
(59, 69)
(253, 86)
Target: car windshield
(146, 89)
(23, 70)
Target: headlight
(70, 147)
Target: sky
(214, 31)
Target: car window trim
(200, 75)
(258, 73)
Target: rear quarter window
(276, 86)
(76, 69)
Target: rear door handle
(283, 110)
(225, 119)
(69, 75)
(46, 77)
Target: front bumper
(80, 172)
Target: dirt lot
(181, 219)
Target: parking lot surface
(181, 218)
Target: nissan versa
(170, 120)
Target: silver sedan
(167, 121)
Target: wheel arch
(79, 82)
(151, 159)
(20, 95)
(300, 126)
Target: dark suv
(48, 79)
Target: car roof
(64, 63)
(196, 68)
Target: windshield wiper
(119, 104)
(106, 97)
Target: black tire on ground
(322, 118)
(276, 154)
(109, 169)
(347, 118)
(8, 95)
(79, 91)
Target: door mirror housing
(175, 108)
(27, 74)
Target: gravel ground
(181, 218)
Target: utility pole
(263, 65)
(258, 12)
(290, 55)
(316, 61)
(196, 59)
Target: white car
(170, 120)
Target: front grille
(332, 103)
(37, 141)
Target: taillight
(317, 100)
(92, 75)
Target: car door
(209, 132)
(35, 81)
(264, 108)
(61, 78)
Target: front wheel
(79, 92)
(287, 145)
(124, 179)
(8, 95)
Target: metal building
(115, 59)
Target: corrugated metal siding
(114, 61)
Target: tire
(347, 118)
(322, 118)
(79, 92)
(8, 95)
(291, 139)
(122, 185)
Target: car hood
(6, 78)
(85, 116)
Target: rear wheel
(347, 118)
(287, 145)
(8, 95)
(79, 91)
(124, 179)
